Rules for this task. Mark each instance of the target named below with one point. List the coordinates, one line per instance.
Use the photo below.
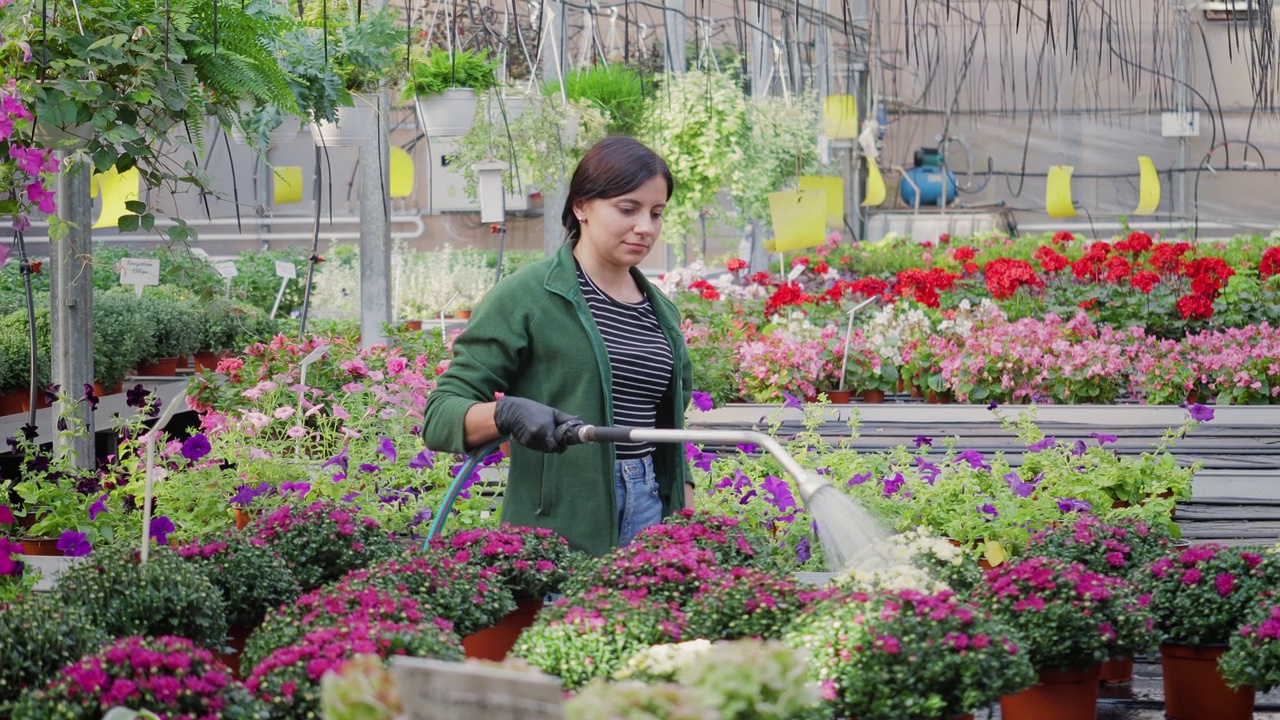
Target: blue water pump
(927, 175)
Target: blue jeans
(638, 503)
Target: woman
(579, 337)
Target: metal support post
(375, 230)
(1184, 77)
(71, 307)
(674, 25)
(554, 68)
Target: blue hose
(446, 507)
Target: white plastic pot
(451, 112)
(355, 127)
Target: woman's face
(621, 230)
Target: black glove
(532, 424)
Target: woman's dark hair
(612, 167)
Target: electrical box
(1174, 124)
(447, 188)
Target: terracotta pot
(184, 362)
(242, 519)
(162, 367)
(13, 402)
(46, 547)
(101, 391)
(943, 398)
(902, 384)
(1194, 688)
(1060, 695)
(916, 392)
(494, 643)
(873, 396)
(1117, 672)
(413, 325)
(839, 397)
(462, 314)
(236, 638)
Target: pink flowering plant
(1116, 547)
(744, 602)
(1066, 616)
(1202, 594)
(322, 541)
(671, 573)
(252, 578)
(27, 169)
(590, 635)
(332, 606)
(289, 679)
(472, 598)
(531, 562)
(1253, 658)
(733, 542)
(166, 675)
(908, 655)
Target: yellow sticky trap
(1148, 187)
(288, 184)
(1057, 192)
(401, 173)
(117, 189)
(834, 188)
(875, 184)
(840, 116)
(799, 219)
(994, 553)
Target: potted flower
(961, 658)
(445, 84)
(38, 637)
(1199, 597)
(167, 596)
(1252, 659)
(471, 597)
(668, 573)
(744, 603)
(733, 542)
(289, 679)
(322, 541)
(590, 635)
(142, 673)
(1070, 621)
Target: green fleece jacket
(533, 336)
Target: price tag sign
(139, 272)
(435, 690)
(795, 272)
(227, 269)
(286, 270)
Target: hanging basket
(355, 127)
(450, 113)
(62, 137)
(289, 128)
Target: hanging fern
(241, 66)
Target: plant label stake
(456, 691)
(227, 269)
(286, 271)
(311, 357)
(442, 311)
(848, 334)
(150, 476)
(139, 272)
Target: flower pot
(101, 391)
(451, 112)
(161, 367)
(413, 325)
(242, 519)
(290, 126)
(1194, 688)
(942, 398)
(873, 396)
(463, 314)
(236, 638)
(208, 360)
(494, 643)
(839, 397)
(1060, 695)
(62, 137)
(13, 402)
(45, 547)
(1117, 672)
(355, 126)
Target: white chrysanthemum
(663, 660)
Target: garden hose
(455, 487)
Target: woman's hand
(688, 497)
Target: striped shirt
(640, 360)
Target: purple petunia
(993, 405)
(74, 544)
(341, 460)
(702, 401)
(1020, 488)
(1079, 448)
(364, 468)
(91, 398)
(423, 461)
(922, 441)
(387, 449)
(1043, 445)
(701, 460)
(9, 566)
(928, 471)
(300, 488)
(161, 528)
(748, 448)
(136, 396)
(1103, 439)
(974, 458)
(779, 493)
(989, 509)
(858, 479)
(1070, 505)
(195, 447)
(246, 494)
(791, 401)
(893, 484)
(98, 507)
(1199, 413)
(6, 515)
(803, 550)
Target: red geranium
(1062, 237)
(964, 254)
(1006, 275)
(762, 278)
(1144, 280)
(1167, 258)
(735, 264)
(1270, 263)
(868, 287)
(1195, 306)
(1118, 268)
(821, 268)
(970, 268)
(1137, 243)
(788, 293)
(1208, 275)
(1051, 261)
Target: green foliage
(38, 636)
(616, 89)
(439, 71)
(323, 541)
(240, 66)
(15, 343)
(166, 596)
(173, 318)
(1201, 595)
(1254, 656)
(318, 89)
(257, 282)
(253, 580)
(120, 334)
(782, 146)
